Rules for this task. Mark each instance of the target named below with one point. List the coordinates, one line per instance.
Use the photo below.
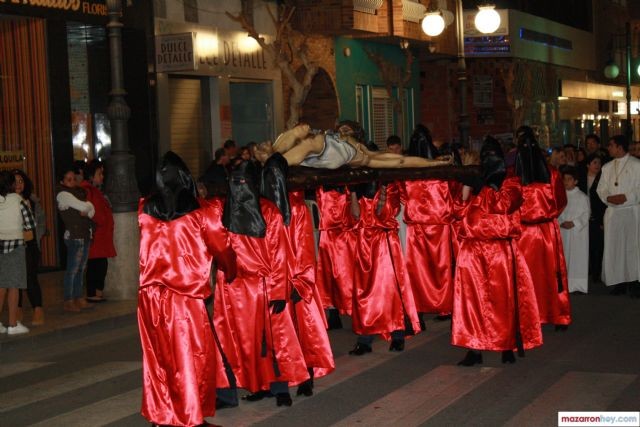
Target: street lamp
(487, 21)
(611, 71)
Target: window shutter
(382, 117)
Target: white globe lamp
(611, 70)
(487, 19)
(433, 24)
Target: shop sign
(10, 160)
(235, 50)
(81, 6)
(174, 52)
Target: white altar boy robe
(621, 262)
(576, 240)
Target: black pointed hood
(494, 170)
(175, 192)
(242, 214)
(421, 143)
(273, 185)
(530, 163)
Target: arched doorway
(320, 110)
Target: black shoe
(254, 397)
(306, 388)
(423, 326)
(508, 357)
(442, 317)
(396, 345)
(283, 399)
(562, 328)
(472, 358)
(360, 349)
(333, 319)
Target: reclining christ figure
(332, 149)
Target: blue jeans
(77, 255)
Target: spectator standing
(102, 247)
(575, 233)
(15, 219)
(588, 183)
(24, 188)
(558, 158)
(619, 188)
(216, 172)
(76, 213)
(394, 144)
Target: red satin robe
(178, 351)
(541, 246)
(484, 304)
(308, 315)
(381, 296)
(249, 333)
(335, 249)
(429, 213)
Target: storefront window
(91, 133)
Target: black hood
(273, 185)
(242, 214)
(421, 144)
(451, 150)
(530, 163)
(494, 170)
(175, 192)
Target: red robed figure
(178, 350)
(484, 302)
(308, 315)
(381, 296)
(428, 213)
(335, 249)
(541, 246)
(250, 335)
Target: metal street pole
(463, 119)
(628, 131)
(121, 185)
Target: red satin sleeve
(276, 279)
(217, 238)
(300, 239)
(559, 192)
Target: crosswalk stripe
(100, 413)
(63, 384)
(419, 400)
(347, 367)
(574, 391)
(7, 369)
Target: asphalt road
(93, 377)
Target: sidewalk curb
(76, 331)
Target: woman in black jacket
(588, 183)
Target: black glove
(277, 305)
(295, 296)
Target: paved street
(91, 376)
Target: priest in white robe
(619, 189)
(574, 221)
